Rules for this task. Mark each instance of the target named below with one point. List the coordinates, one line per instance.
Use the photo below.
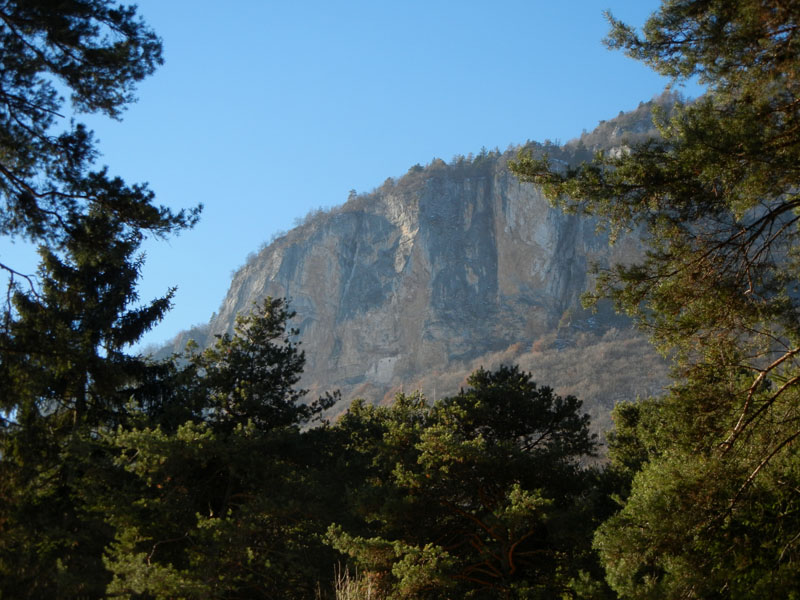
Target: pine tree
(228, 503)
(711, 513)
(66, 381)
(97, 51)
(480, 495)
(64, 372)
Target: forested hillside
(213, 474)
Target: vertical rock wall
(447, 264)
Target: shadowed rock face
(440, 268)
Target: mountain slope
(449, 267)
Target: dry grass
(599, 369)
(349, 586)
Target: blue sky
(265, 110)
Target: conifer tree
(712, 511)
(230, 503)
(66, 379)
(64, 372)
(480, 495)
(96, 51)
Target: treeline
(204, 480)
(210, 475)
(623, 131)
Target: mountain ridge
(450, 266)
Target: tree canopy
(221, 494)
(97, 52)
(479, 495)
(716, 201)
(65, 373)
(202, 476)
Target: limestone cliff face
(442, 267)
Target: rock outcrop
(446, 268)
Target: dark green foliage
(230, 502)
(98, 51)
(716, 194)
(480, 495)
(701, 520)
(66, 379)
(63, 348)
(200, 478)
(711, 510)
(253, 375)
(64, 374)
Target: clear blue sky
(265, 110)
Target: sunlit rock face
(432, 271)
(452, 267)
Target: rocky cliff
(446, 268)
